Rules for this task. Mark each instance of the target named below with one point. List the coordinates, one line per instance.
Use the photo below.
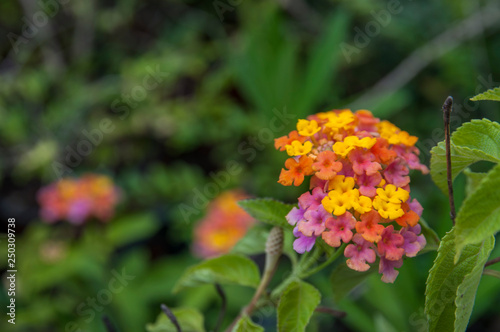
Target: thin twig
(487, 17)
(491, 262)
(222, 311)
(447, 109)
(171, 316)
(332, 312)
(492, 273)
(107, 323)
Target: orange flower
(382, 153)
(281, 142)
(326, 166)
(410, 218)
(369, 226)
(296, 171)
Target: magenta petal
(295, 215)
(302, 243)
(387, 268)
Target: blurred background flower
(76, 200)
(223, 226)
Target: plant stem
(170, 315)
(491, 262)
(330, 260)
(447, 109)
(222, 312)
(492, 273)
(274, 249)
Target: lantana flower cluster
(223, 226)
(79, 199)
(359, 188)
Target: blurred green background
(186, 89)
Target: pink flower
(311, 201)
(326, 165)
(359, 254)
(416, 207)
(367, 184)
(412, 242)
(346, 170)
(387, 268)
(79, 211)
(295, 215)
(339, 229)
(363, 162)
(410, 155)
(397, 173)
(390, 244)
(314, 222)
(302, 242)
(369, 226)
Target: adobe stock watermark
(461, 112)
(222, 6)
(92, 305)
(37, 21)
(91, 138)
(247, 148)
(372, 29)
(446, 296)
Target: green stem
(330, 260)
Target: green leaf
(254, 242)
(267, 210)
(451, 288)
(296, 306)
(479, 215)
(344, 280)
(491, 94)
(190, 320)
(131, 228)
(473, 180)
(474, 141)
(245, 324)
(431, 237)
(227, 269)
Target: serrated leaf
(267, 210)
(131, 228)
(227, 269)
(473, 180)
(431, 237)
(451, 288)
(190, 320)
(254, 242)
(344, 280)
(296, 306)
(491, 94)
(479, 215)
(245, 324)
(474, 141)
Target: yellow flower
(336, 203)
(339, 120)
(363, 204)
(297, 149)
(387, 209)
(341, 184)
(392, 194)
(307, 128)
(406, 139)
(342, 149)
